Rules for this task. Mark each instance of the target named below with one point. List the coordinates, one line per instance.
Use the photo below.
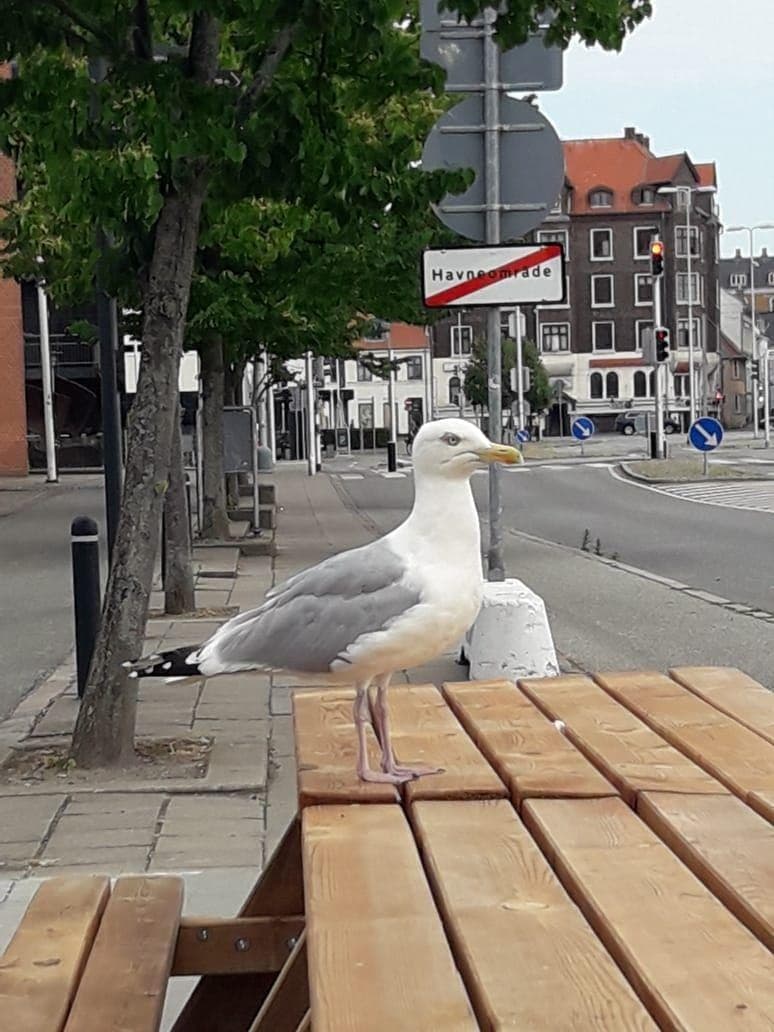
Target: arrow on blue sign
(522, 436)
(582, 428)
(705, 434)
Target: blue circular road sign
(522, 436)
(582, 428)
(705, 434)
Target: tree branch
(267, 69)
(203, 49)
(83, 22)
(142, 36)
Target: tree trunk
(215, 525)
(179, 594)
(104, 732)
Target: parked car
(637, 423)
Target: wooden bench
(613, 872)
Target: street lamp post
(686, 192)
(758, 354)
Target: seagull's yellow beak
(501, 453)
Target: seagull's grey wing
(312, 619)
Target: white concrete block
(511, 637)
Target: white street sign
(467, 277)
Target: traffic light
(756, 369)
(662, 344)
(657, 258)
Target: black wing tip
(173, 663)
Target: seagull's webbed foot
(384, 777)
(409, 771)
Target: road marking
(351, 476)
(723, 495)
(391, 476)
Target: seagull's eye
(450, 439)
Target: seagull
(359, 616)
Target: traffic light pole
(519, 373)
(660, 450)
(495, 563)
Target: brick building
(592, 344)
(13, 418)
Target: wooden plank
(228, 1003)
(424, 730)
(288, 1002)
(762, 803)
(378, 955)
(500, 899)
(227, 946)
(624, 748)
(736, 756)
(529, 753)
(726, 845)
(42, 965)
(326, 751)
(734, 693)
(125, 981)
(691, 962)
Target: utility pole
(657, 275)
(392, 444)
(311, 444)
(496, 565)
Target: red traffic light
(657, 249)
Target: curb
(625, 470)
(34, 705)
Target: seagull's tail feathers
(172, 665)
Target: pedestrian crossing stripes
(758, 497)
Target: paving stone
(254, 565)
(210, 599)
(26, 818)
(122, 862)
(209, 807)
(125, 858)
(199, 855)
(79, 842)
(190, 632)
(282, 741)
(236, 730)
(12, 853)
(117, 804)
(240, 762)
(60, 718)
(281, 801)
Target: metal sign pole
(496, 567)
(48, 397)
(519, 371)
(659, 397)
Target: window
(363, 375)
(682, 333)
(683, 289)
(461, 340)
(643, 288)
(738, 279)
(455, 388)
(554, 236)
(414, 367)
(642, 238)
(557, 207)
(640, 384)
(738, 404)
(601, 245)
(681, 237)
(611, 385)
(770, 279)
(771, 304)
(648, 195)
(595, 387)
(602, 291)
(682, 388)
(555, 337)
(737, 369)
(644, 329)
(600, 199)
(603, 336)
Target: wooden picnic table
(598, 854)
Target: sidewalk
(216, 808)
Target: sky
(697, 77)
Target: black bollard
(86, 593)
(392, 457)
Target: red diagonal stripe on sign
(443, 297)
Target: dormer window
(601, 199)
(644, 195)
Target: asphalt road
(36, 608)
(606, 617)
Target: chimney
(644, 140)
(738, 253)
(764, 253)
(630, 133)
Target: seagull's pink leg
(362, 719)
(382, 721)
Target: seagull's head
(455, 448)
